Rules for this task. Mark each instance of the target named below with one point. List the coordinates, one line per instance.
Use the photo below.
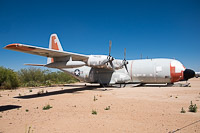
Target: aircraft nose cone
(188, 73)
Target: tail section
(54, 43)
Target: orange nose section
(175, 77)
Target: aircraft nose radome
(188, 73)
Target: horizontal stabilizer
(35, 64)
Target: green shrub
(48, 83)
(182, 110)
(94, 112)
(8, 79)
(47, 107)
(31, 84)
(193, 108)
(95, 98)
(107, 108)
(33, 77)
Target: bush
(107, 108)
(94, 112)
(48, 83)
(182, 110)
(59, 77)
(47, 107)
(193, 108)
(33, 77)
(8, 79)
(95, 98)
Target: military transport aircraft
(106, 70)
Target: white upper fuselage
(140, 71)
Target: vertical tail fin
(54, 43)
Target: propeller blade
(124, 61)
(124, 53)
(110, 44)
(109, 57)
(126, 68)
(112, 65)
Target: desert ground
(119, 110)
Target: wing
(45, 51)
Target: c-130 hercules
(106, 70)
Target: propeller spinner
(109, 57)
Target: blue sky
(153, 28)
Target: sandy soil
(132, 109)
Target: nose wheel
(122, 85)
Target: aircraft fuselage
(139, 71)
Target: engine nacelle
(98, 61)
(68, 64)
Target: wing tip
(13, 45)
(19, 47)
